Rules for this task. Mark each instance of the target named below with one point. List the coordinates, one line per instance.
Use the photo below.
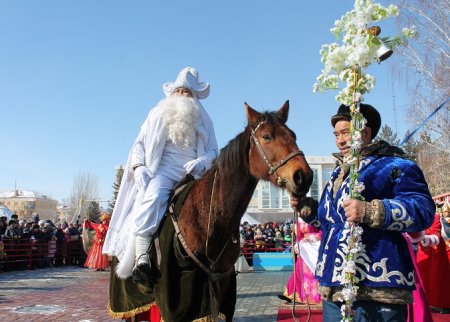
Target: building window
(274, 197)
(314, 189)
(326, 174)
(285, 199)
(265, 195)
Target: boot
(142, 266)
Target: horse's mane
(232, 153)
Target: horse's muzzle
(302, 182)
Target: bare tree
(85, 187)
(425, 65)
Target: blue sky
(77, 78)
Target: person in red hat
(95, 258)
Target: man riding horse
(194, 277)
(176, 139)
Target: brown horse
(208, 222)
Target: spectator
(36, 218)
(445, 223)
(13, 231)
(260, 240)
(61, 244)
(279, 241)
(73, 231)
(3, 224)
(27, 230)
(40, 241)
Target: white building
(25, 203)
(270, 203)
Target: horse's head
(274, 154)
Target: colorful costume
(95, 258)
(433, 260)
(302, 280)
(419, 310)
(397, 200)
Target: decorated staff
(364, 267)
(361, 45)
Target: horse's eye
(267, 137)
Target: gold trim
(131, 313)
(147, 307)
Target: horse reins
(281, 182)
(272, 168)
(210, 271)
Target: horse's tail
(125, 266)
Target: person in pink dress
(95, 258)
(419, 310)
(302, 284)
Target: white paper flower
(356, 48)
(348, 295)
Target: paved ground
(73, 294)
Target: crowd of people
(266, 237)
(39, 243)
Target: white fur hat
(188, 78)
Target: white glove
(429, 240)
(297, 248)
(194, 167)
(141, 177)
(311, 239)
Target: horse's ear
(283, 112)
(252, 115)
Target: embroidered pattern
(400, 218)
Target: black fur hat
(368, 111)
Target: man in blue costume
(397, 200)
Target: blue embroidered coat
(384, 260)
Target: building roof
(22, 194)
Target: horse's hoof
(142, 273)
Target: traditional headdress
(105, 217)
(188, 78)
(368, 111)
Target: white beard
(181, 116)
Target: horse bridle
(272, 168)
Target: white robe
(148, 149)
